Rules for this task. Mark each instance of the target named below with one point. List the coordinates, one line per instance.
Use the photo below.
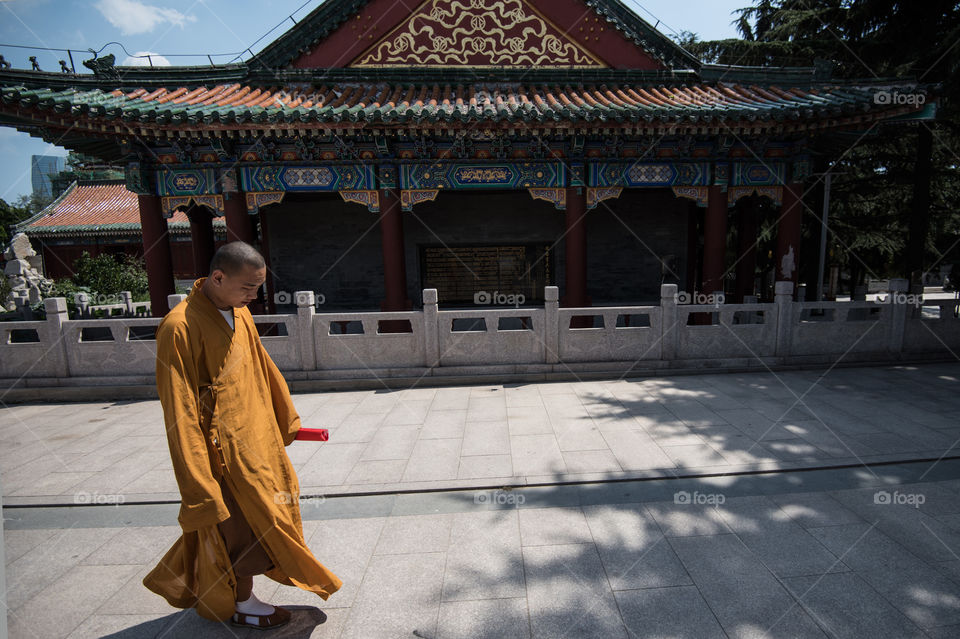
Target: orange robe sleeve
(287, 418)
(177, 384)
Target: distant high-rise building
(43, 168)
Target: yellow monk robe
(253, 418)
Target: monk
(228, 416)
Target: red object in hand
(313, 434)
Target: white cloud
(158, 60)
(133, 17)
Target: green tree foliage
(10, 215)
(107, 275)
(875, 208)
(22, 208)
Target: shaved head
(235, 257)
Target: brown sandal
(279, 617)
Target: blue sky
(177, 27)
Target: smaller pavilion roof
(100, 209)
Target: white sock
(254, 606)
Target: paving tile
(745, 597)
(486, 408)
(433, 459)
(484, 619)
(344, 546)
(481, 466)
(815, 509)
(330, 464)
(918, 590)
(75, 595)
(378, 402)
(687, 519)
(134, 545)
(636, 451)
(46, 563)
(444, 424)
(484, 559)
(743, 450)
(542, 526)
(634, 552)
(118, 626)
(694, 455)
(784, 547)
(590, 461)
(377, 472)
(133, 598)
(578, 434)
(944, 632)
(415, 533)
(668, 613)
(795, 449)
(399, 596)
(355, 428)
(391, 442)
(451, 399)
(568, 593)
(536, 455)
(847, 607)
(407, 412)
(486, 438)
(924, 535)
(17, 543)
(525, 396)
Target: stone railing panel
(935, 326)
(628, 333)
(840, 328)
(505, 336)
(111, 347)
(741, 330)
(337, 348)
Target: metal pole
(823, 234)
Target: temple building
(104, 217)
(485, 148)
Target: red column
(788, 235)
(394, 260)
(693, 247)
(575, 294)
(714, 241)
(268, 305)
(201, 239)
(240, 224)
(747, 255)
(156, 253)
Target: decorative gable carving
(476, 33)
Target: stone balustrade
(509, 342)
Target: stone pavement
(672, 533)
